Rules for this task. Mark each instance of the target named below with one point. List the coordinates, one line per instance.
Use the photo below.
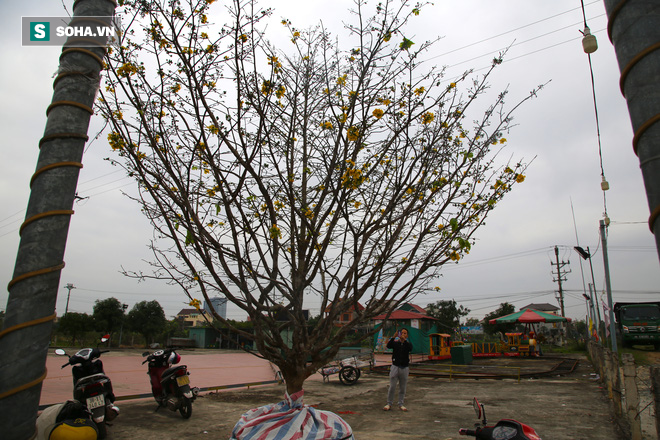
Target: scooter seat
(98, 377)
(170, 371)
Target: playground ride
(512, 344)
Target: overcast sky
(559, 203)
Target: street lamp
(586, 255)
(123, 317)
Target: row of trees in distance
(147, 319)
(109, 316)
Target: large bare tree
(305, 174)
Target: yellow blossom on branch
(116, 142)
(195, 302)
(378, 113)
(267, 87)
(275, 232)
(352, 177)
(427, 118)
(308, 213)
(352, 133)
(126, 70)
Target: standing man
(401, 349)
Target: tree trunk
(33, 289)
(294, 378)
(634, 29)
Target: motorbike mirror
(60, 352)
(477, 407)
(105, 338)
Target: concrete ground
(560, 408)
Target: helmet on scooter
(77, 429)
(174, 358)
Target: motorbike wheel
(348, 375)
(186, 408)
(103, 432)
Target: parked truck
(638, 323)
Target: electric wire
(593, 92)
(511, 31)
(489, 53)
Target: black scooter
(505, 429)
(91, 386)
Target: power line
(511, 31)
(498, 258)
(491, 52)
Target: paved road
(129, 376)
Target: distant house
(345, 317)
(542, 307)
(193, 317)
(410, 307)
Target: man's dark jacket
(400, 352)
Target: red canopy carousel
(528, 316)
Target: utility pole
(68, 286)
(608, 284)
(594, 295)
(561, 276)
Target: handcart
(349, 369)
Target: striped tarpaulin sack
(290, 419)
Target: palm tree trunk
(33, 290)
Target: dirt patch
(558, 407)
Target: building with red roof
(345, 317)
(414, 318)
